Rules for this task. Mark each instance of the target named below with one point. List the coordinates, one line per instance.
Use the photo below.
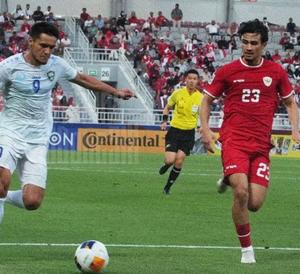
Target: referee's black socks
(174, 174)
(172, 178)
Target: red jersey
(252, 94)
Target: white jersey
(27, 115)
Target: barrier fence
(119, 138)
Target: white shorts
(29, 160)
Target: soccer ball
(91, 257)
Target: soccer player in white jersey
(26, 122)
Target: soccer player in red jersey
(252, 87)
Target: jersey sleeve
(172, 99)
(285, 87)
(68, 72)
(217, 86)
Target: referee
(180, 137)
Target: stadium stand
(158, 54)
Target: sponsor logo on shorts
(230, 167)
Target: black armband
(165, 118)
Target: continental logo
(92, 140)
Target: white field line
(152, 246)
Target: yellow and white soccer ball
(91, 257)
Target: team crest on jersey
(267, 81)
(51, 75)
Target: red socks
(243, 232)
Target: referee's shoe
(167, 187)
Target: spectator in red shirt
(83, 17)
(114, 43)
(200, 57)
(182, 54)
(13, 47)
(161, 20)
(108, 35)
(168, 57)
(284, 40)
(13, 38)
(161, 46)
(151, 19)
(25, 27)
(287, 61)
(210, 47)
(133, 20)
(102, 43)
(276, 56)
(147, 38)
(146, 59)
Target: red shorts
(239, 159)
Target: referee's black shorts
(179, 139)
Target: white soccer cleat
(221, 186)
(2, 201)
(248, 256)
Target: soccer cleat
(221, 186)
(167, 188)
(2, 201)
(166, 191)
(248, 255)
(163, 169)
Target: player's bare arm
(166, 111)
(92, 83)
(292, 110)
(207, 136)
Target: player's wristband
(165, 118)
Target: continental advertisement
(148, 139)
(120, 140)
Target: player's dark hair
(43, 27)
(192, 71)
(254, 26)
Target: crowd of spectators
(160, 49)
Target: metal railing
(83, 42)
(70, 28)
(123, 116)
(135, 80)
(127, 116)
(89, 96)
(101, 56)
(93, 55)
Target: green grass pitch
(117, 199)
